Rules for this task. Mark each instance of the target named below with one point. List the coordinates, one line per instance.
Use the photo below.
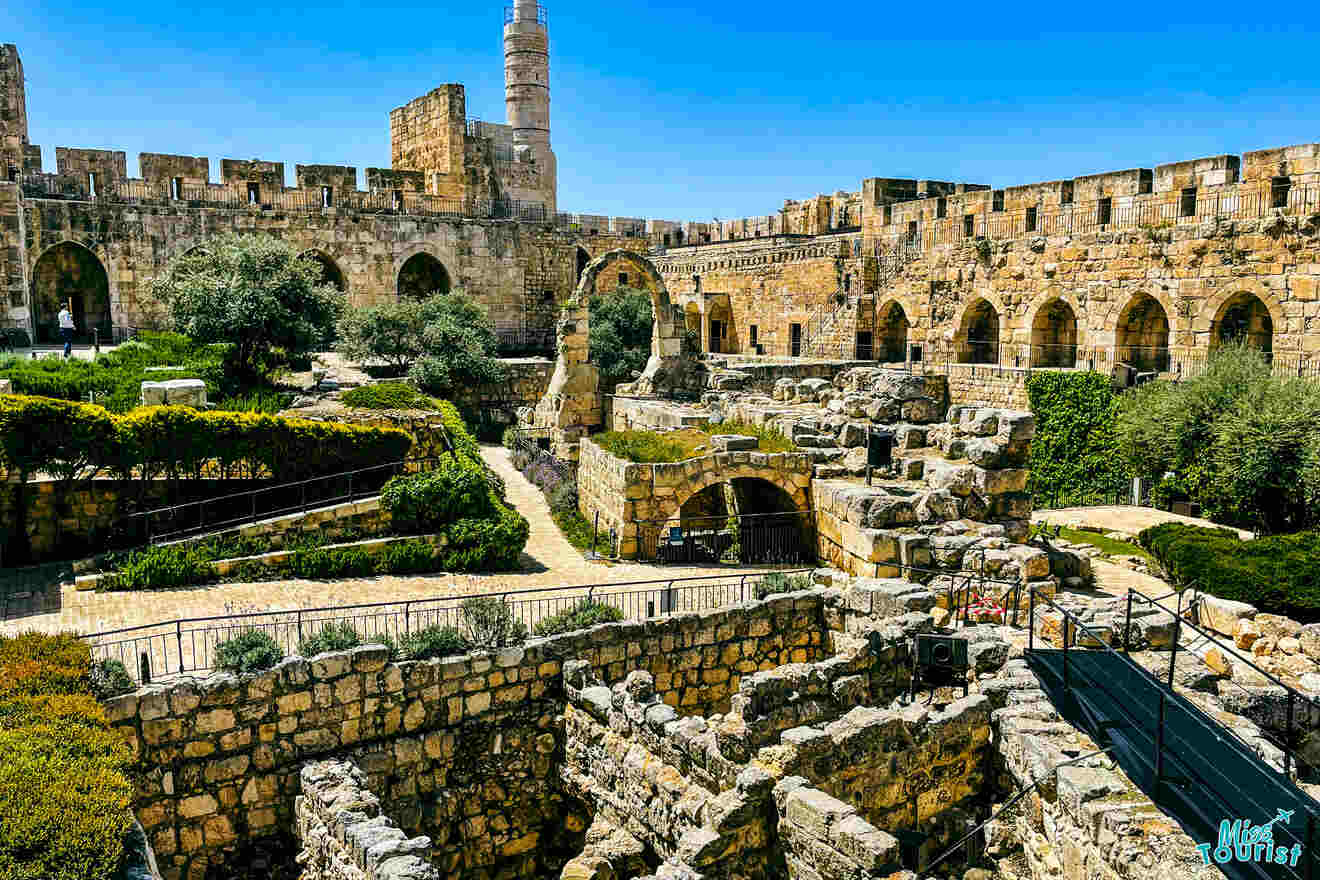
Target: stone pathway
(548, 562)
(1120, 518)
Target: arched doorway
(69, 272)
(892, 326)
(721, 339)
(978, 338)
(1142, 334)
(583, 258)
(1244, 319)
(1054, 335)
(330, 273)
(744, 520)
(422, 276)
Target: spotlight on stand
(940, 661)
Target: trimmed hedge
(452, 490)
(1074, 456)
(64, 792)
(388, 395)
(1279, 574)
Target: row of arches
(1141, 332)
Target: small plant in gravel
(250, 651)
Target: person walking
(66, 328)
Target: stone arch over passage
(421, 276)
(769, 525)
(892, 328)
(69, 272)
(1243, 318)
(583, 258)
(978, 335)
(1141, 335)
(330, 272)
(1054, 335)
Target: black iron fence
(188, 645)
(745, 539)
(176, 521)
(534, 443)
(33, 589)
(1190, 765)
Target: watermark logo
(1241, 841)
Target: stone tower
(13, 113)
(527, 102)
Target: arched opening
(330, 273)
(746, 520)
(1142, 334)
(1244, 319)
(70, 273)
(893, 327)
(583, 258)
(422, 276)
(978, 338)
(692, 318)
(1054, 335)
(721, 339)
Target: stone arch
(1141, 333)
(978, 334)
(893, 328)
(668, 507)
(421, 275)
(1243, 317)
(583, 258)
(330, 271)
(1205, 326)
(1054, 334)
(68, 271)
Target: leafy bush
(643, 446)
(64, 792)
(452, 490)
(490, 623)
(332, 637)
(159, 568)
(250, 651)
(778, 582)
(259, 400)
(492, 544)
(508, 437)
(619, 338)
(324, 563)
(584, 614)
(109, 679)
(1279, 574)
(406, 557)
(1074, 455)
(253, 292)
(432, 642)
(388, 395)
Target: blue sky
(687, 110)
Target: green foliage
(645, 446)
(778, 582)
(1074, 453)
(490, 623)
(158, 568)
(1279, 574)
(64, 792)
(250, 651)
(406, 557)
(109, 679)
(509, 436)
(619, 338)
(1242, 443)
(391, 332)
(253, 292)
(769, 439)
(432, 642)
(258, 400)
(388, 395)
(424, 502)
(332, 637)
(491, 544)
(326, 563)
(581, 615)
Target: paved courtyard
(549, 561)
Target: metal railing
(182, 646)
(780, 538)
(535, 443)
(1182, 759)
(176, 521)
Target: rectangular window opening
(254, 194)
(912, 232)
(1279, 187)
(1187, 204)
(889, 214)
(941, 208)
(176, 188)
(997, 200)
(1104, 211)
(751, 334)
(91, 183)
(1031, 219)
(969, 225)
(397, 200)
(327, 197)
(1066, 192)
(1146, 183)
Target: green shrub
(778, 582)
(34, 663)
(768, 439)
(490, 623)
(332, 637)
(250, 651)
(109, 679)
(388, 395)
(325, 563)
(159, 568)
(406, 557)
(432, 642)
(1074, 454)
(509, 436)
(452, 490)
(619, 339)
(493, 544)
(1279, 574)
(643, 446)
(585, 613)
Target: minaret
(527, 96)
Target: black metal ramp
(1184, 761)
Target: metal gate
(749, 539)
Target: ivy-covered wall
(1074, 455)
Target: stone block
(1222, 615)
(174, 392)
(732, 442)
